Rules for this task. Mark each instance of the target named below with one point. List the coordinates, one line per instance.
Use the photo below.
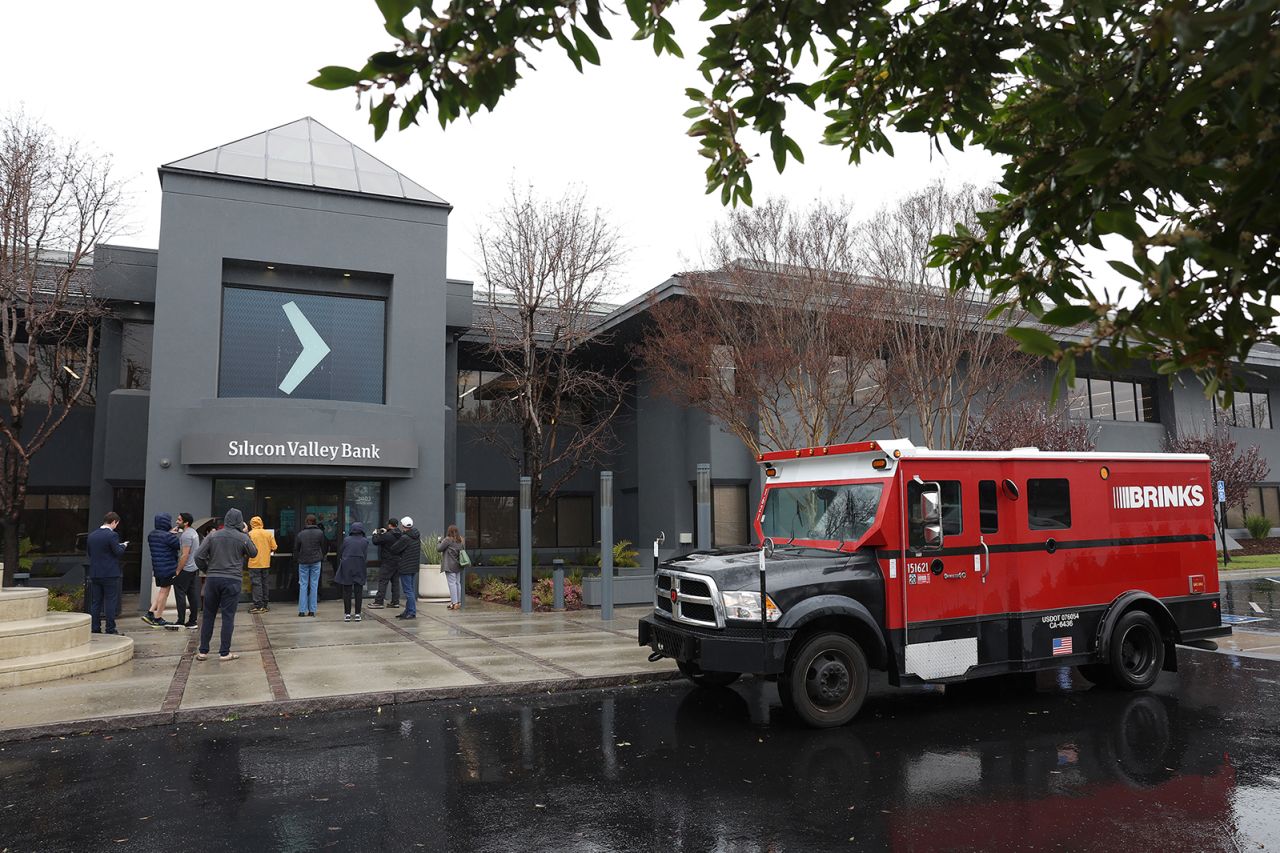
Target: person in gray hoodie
(223, 556)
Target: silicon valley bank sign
(206, 449)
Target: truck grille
(692, 599)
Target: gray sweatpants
(258, 583)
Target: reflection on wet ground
(1254, 601)
(1044, 763)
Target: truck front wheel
(826, 682)
(703, 678)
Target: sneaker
(255, 609)
(355, 618)
(302, 614)
(312, 613)
(346, 618)
(116, 633)
(149, 619)
(374, 606)
(192, 625)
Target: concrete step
(21, 603)
(50, 633)
(103, 651)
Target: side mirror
(1010, 489)
(931, 514)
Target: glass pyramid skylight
(308, 153)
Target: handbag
(463, 559)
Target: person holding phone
(105, 550)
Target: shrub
(624, 556)
(431, 549)
(1259, 526)
(66, 599)
(512, 593)
(503, 560)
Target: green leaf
(336, 77)
(1068, 315)
(585, 46)
(1033, 341)
(393, 11)
(1126, 270)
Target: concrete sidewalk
(296, 665)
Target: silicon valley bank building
(295, 347)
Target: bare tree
(1237, 469)
(548, 265)
(1029, 423)
(949, 366)
(780, 340)
(56, 202)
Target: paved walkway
(295, 665)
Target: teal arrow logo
(314, 349)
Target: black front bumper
(1189, 635)
(736, 649)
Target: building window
(1099, 398)
(263, 337)
(1258, 500)
(52, 522)
(729, 522)
(988, 509)
(484, 396)
(1248, 409)
(493, 521)
(135, 355)
(1049, 504)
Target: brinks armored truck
(942, 566)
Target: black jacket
(353, 559)
(309, 546)
(408, 551)
(386, 541)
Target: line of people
(178, 555)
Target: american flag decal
(1061, 646)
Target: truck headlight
(746, 605)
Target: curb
(352, 701)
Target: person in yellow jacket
(260, 564)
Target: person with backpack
(451, 564)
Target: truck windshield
(839, 513)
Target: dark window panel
(1049, 504)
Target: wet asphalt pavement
(1053, 765)
(1256, 600)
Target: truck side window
(952, 517)
(1049, 504)
(988, 514)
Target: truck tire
(826, 682)
(1137, 652)
(705, 678)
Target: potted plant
(431, 580)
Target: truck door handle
(986, 558)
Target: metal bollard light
(557, 584)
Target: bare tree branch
(548, 265)
(781, 341)
(56, 203)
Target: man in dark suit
(105, 550)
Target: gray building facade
(294, 346)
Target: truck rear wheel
(1137, 652)
(826, 682)
(705, 678)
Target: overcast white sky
(152, 82)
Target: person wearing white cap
(408, 550)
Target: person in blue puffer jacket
(164, 545)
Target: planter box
(431, 582)
(630, 586)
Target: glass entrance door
(284, 505)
